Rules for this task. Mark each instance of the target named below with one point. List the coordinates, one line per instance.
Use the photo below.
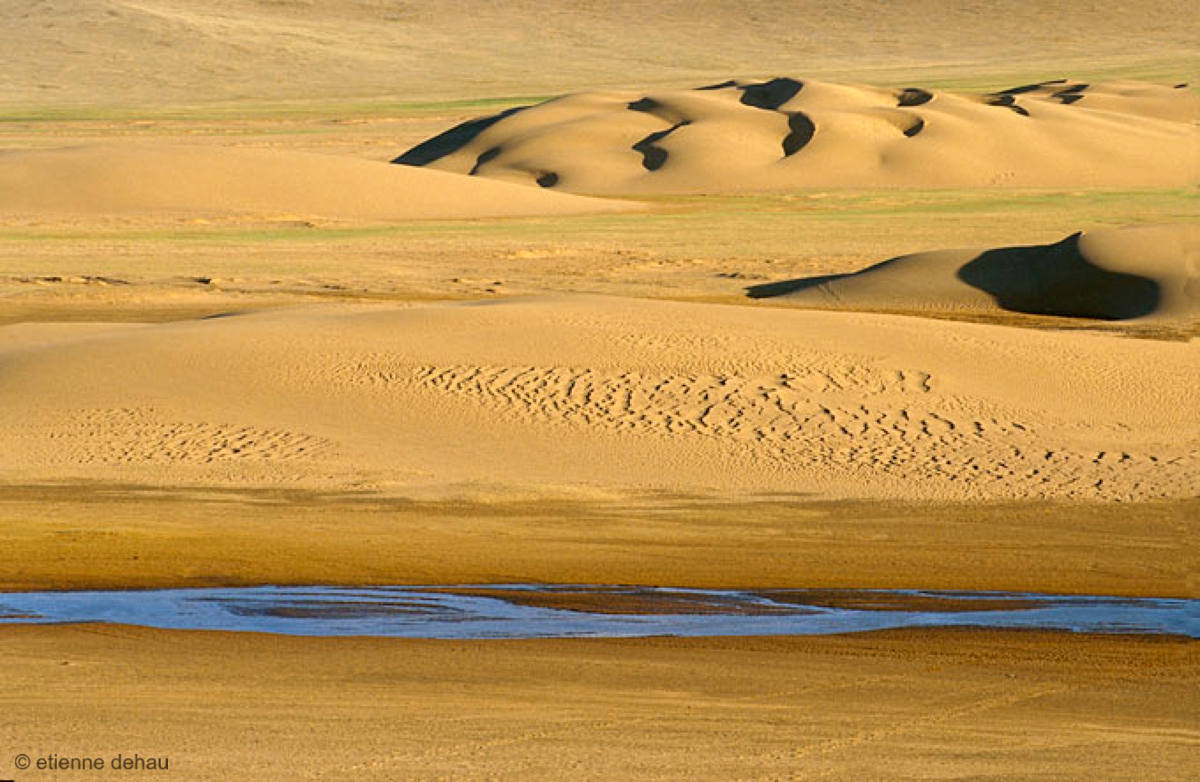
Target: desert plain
(775, 295)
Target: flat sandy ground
(237, 347)
(931, 704)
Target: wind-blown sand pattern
(599, 390)
(339, 293)
(787, 133)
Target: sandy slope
(173, 180)
(1150, 272)
(604, 393)
(784, 132)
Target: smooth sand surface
(1144, 272)
(794, 132)
(199, 182)
(63, 53)
(104, 536)
(931, 704)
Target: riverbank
(929, 703)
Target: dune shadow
(1056, 279)
(452, 140)
(767, 290)
(800, 132)
(913, 96)
(771, 94)
(483, 159)
(1030, 87)
(653, 156)
(719, 86)
(1007, 101)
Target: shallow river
(561, 611)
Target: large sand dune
(785, 133)
(206, 181)
(603, 394)
(1148, 272)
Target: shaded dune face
(1112, 275)
(1057, 279)
(785, 133)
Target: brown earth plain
(762, 295)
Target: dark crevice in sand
(548, 179)
(1030, 87)
(801, 132)
(915, 128)
(1070, 94)
(452, 140)
(654, 156)
(771, 94)
(1008, 102)
(913, 96)
(769, 290)
(720, 86)
(483, 159)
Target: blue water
(425, 612)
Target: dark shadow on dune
(654, 156)
(1070, 94)
(1030, 87)
(482, 159)
(783, 287)
(643, 104)
(915, 128)
(1007, 101)
(721, 86)
(548, 179)
(1048, 279)
(1056, 279)
(913, 96)
(801, 132)
(771, 94)
(452, 140)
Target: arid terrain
(824, 295)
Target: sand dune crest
(785, 133)
(165, 179)
(1121, 274)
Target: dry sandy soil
(907, 299)
(935, 704)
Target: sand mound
(606, 394)
(785, 133)
(162, 179)
(1142, 272)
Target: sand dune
(203, 181)
(1143, 272)
(784, 132)
(607, 394)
